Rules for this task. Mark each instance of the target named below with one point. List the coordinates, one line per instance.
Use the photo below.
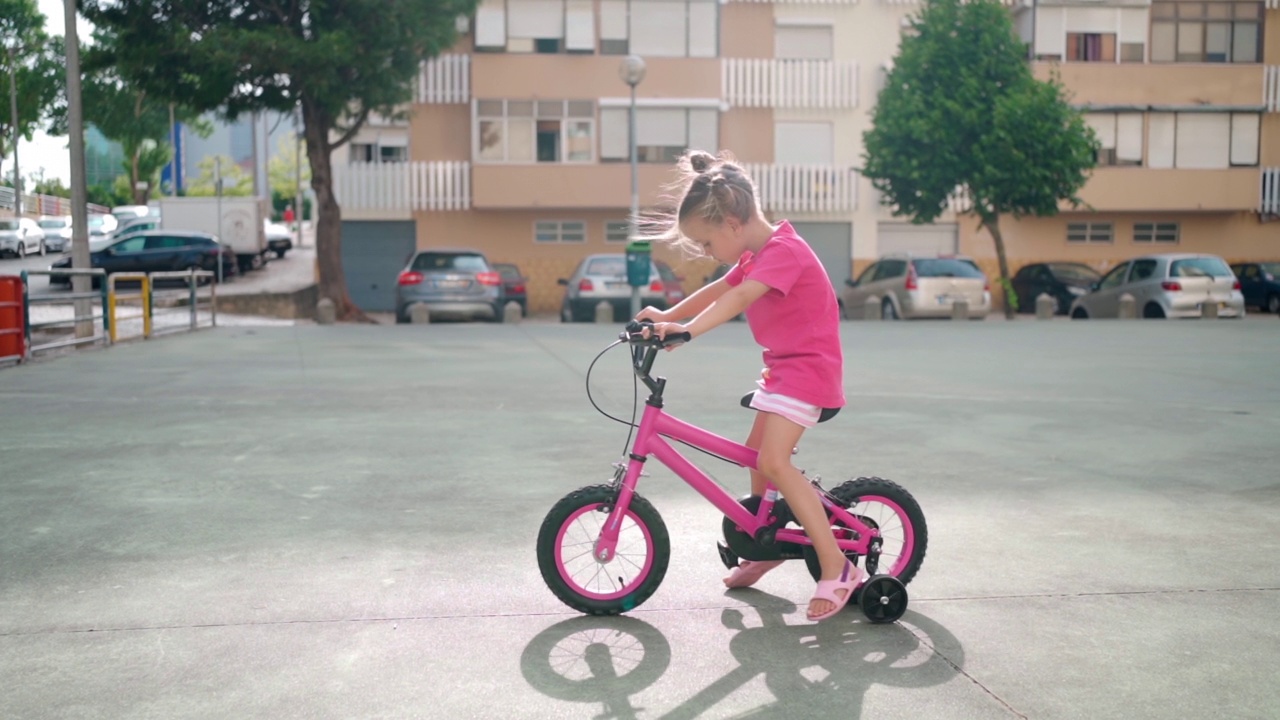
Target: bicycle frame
(655, 426)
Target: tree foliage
(337, 60)
(236, 181)
(39, 70)
(962, 113)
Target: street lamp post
(632, 72)
(13, 112)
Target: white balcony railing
(1269, 203)
(1271, 88)
(403, 187)
(754, 82)
(445, 79)
(805, 188)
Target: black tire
(1152, 311)
(42, 249)
(1273, 304)
(22, 250)
(279, 254)
(1079, 314)
(602, 495)
(848, 493)
(887, 310)
(566, 313)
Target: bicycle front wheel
(566, 544)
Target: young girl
(792, 311)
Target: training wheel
(883, 599)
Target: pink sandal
(848, 581)
(749, 572)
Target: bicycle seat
(825, 415)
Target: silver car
(20, 236)
(909, 286)
(1168, 285)
(451, 282)
(57, 232)
(603, 277)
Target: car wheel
(280, 254)
(1079, 314)
(1273, 304)
(22, 250)
(566, 314)
(887, 310)
(1153, 311)
(42, 250)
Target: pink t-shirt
(797, 321)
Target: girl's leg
(779, 437)
(749, 572)
(758, 479)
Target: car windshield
(465, 262)
(509, 272)
(609, 267)
(1080, 273)
(1271, 268)
(1199, 267)
(96, 220)
(54, 223)
(946, 267)
(8, 224)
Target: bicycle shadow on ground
(812, 670)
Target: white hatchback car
(908, 286)
(1169, 285)
(20, 237)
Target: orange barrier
(13, 319)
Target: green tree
(336, 60)
(39, 71)
(42, 185)
(961, 111)
(235, 180)
(133, 117)
(282, 170)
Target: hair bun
(701, 161)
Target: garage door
(936, 239)
(373, 254)
(832, 242)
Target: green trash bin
(639, 265)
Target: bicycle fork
(625, 477)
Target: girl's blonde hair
(711, 187)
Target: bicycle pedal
(726, 556)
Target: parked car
(131, 226)
(514, 286)
(153, 251)
(451, 282)
(20, 236)
(919, 287)
(57, 232)
(1062, 281)
(1260, 284)
(279, 238)
(1167, 285)
(102, 225)
(672, 284)
(603, 277)
(124, 213)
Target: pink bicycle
(603, 549)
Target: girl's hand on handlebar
(653, 314)
(662, 329)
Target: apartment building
(1185, 98)
(519, 144)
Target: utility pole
(13, 114)
(297, 170)
(79, 191)
(173, 154)
(253, 126)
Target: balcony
(1271, 88)
(773, 83)
(1145, 189)
(396, 190)
(523, 75)
(1269, 203)
(1158, 84)
(507, 186)
(812, 189)
(445, 79)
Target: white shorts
(797, 411)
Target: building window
(559, 231)
(1155, 233)
(803, 42)
(804, 143)
(1119, 137)
(662, 133)
(1205, 141)
(375, 153)
(1091, 47)
(653, 28)
(1089, 232)
(1212, 32)
(617, 231)
(525, 131)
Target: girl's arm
(691, 306)
(726, 306)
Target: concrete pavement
(338, 522)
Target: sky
(43, 151)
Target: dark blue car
(1260, 284)
(153, 251)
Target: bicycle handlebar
(634, 334)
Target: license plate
(450, 284)
(617, 285)
(945, 300)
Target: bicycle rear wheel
(885, 505)
(567, 540)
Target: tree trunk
(139, 198)
(328, 216)
(992, 224)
